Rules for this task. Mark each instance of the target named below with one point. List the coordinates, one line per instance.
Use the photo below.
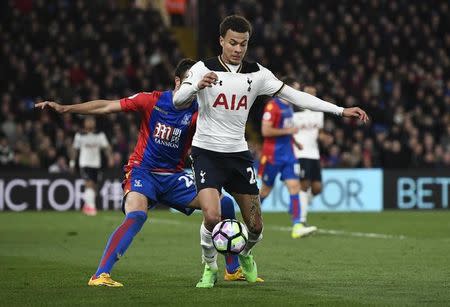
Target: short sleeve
(138, 102)
(269, 84)
(271, 112)
(103, 141)
(76, 141)
(321, 120)
(196, 73)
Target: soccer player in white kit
(309, 124)
(90, 144)
(226, 87)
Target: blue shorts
(288, 170)
(174, 190)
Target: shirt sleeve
(103, 141)
(307, 101)
(76, 141)
(270, 85)
(183, 97)
(136, 102)
(271, 113)
(321, 120)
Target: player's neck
(226, 61)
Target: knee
(211, 218)
(316, 190)
(256, 229)
(265, 191)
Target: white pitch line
(324, 231)
(347, 233)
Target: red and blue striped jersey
(279, 148)
(165, 134)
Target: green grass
(46, 258)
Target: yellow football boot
(237, 276)
(104, 279)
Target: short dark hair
(183, 66)
(235, 23)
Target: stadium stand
(395, 66)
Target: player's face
(234, 46)
(89, 124)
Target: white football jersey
(224, 107)
(310, 123)
(90, 144)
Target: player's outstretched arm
(307, 101)
(267, 130)
(94, 107)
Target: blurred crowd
(71, 52)
(391, 58)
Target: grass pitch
(389, 258)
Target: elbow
(265, 133)
(176, 100)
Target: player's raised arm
(94, 107)
(197, 79)
(307, 101)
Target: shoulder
(272, 105)
(249, 67)
(216, 64)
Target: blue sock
(295, 205)
(227, 209)
(120, 240)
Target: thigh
(305, 169)
(290, 170)
(316, 171)
(268, 172)
(90, 173)
(241, 177)
(207, 169)
(140, 181)
(179, 192)
(250, 207)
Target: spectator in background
(6, 153)
(70, 45)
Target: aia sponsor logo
(230, 104)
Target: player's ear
(177, 83)
(221, 41)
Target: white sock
(253, 238)
(310, 196)
(209, 252)
(89, 197)
(304, 202)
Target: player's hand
(356, 112)
(208, 80)
(298, 145)
(52, 105)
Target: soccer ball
(230, 237)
